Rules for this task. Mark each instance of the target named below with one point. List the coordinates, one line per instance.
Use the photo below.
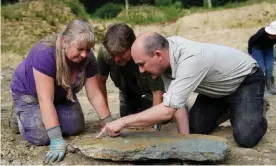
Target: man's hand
(57, 150)
(112, 129)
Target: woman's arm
(45, 93)
(96, 98)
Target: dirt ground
(214, 27)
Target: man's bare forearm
(149, 117)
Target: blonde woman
(45, 84)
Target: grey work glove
(106, 120)
(57, 145)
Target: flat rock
(133, 145)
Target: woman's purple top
(42, 58)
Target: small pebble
(32, 148)
(11, 139)
(16, 162)
(5, 152)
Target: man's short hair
(155, 42)
(118, 38)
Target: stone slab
(133, 145)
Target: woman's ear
(63, 42)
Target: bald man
(223, 77)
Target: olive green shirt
(127, 76)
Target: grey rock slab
(134, 145)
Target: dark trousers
(246, 115)
(134, 103)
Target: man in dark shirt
(138, 91)
(260, 45)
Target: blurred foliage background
(24, 22)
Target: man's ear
(158, 54)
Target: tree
(126, 2)
(210, 3)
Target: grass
(149, 14)
(77, 9)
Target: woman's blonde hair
(77, 31)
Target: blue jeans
(246, 111)
(265, 60)
(30, 121)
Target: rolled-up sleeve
(189, 73)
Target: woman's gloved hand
(57, 146)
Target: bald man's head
(150, 42)
(149, 51)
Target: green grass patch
(149, 14)
(107, 11)
(77, 8)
